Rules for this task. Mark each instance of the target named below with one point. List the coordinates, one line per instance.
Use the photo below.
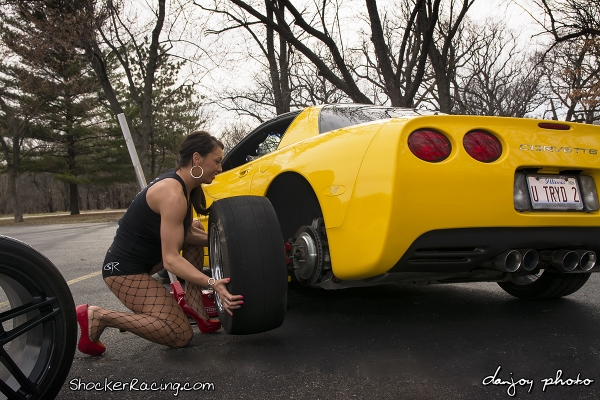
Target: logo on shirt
(111, 266)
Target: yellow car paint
(377, 197)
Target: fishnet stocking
(193, 292)
(157, 317)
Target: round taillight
(482, 146)
(429, 145)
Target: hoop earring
(192, 173)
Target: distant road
(63, 214)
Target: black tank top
(138, 235)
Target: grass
(47, 219)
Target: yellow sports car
(367, 195)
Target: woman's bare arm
(196, 235)
(172, 208)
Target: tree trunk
(12, 155)
(153, 157)
(426, 21)
(383, 55)
(12, 193)
(443, 61)
(72, 161)
(143, 143)
(443, 78)
(73, 199)
(13, 172)
(279, 72)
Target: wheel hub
(307, 255)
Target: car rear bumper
(398, 200)
(459, 250)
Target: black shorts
(117, 266)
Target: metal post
(139, 173)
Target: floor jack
(208, 298)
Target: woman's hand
(230, 302)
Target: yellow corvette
(367, 195)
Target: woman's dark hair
(203, 143)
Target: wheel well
(294, 201)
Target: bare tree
(258, 100)
(569, 19)
(294, 33)
(285, 79)
(233, 133)
(449, 50)
(274, 85)
(108, 34)
(572, 73)
(107, 27)
(404, 46)
(311, 88)
(402, 71)
(571, 65)
(499, 79)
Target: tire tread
(253, 256)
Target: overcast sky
(228, 63)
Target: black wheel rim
(32, 334)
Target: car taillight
(482, 146)
(589, 192)
(429, 145)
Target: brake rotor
(307, 252)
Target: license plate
(554, 192)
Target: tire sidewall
(253, 257)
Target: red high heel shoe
(205, 325)
(85, 344)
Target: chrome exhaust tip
(508, 261)
(587, 259)
(562, 260)
(529, 259)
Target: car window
(269, 145)
(342, 115)
(262, 140)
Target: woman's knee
(182, 340)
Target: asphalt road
(387, 342)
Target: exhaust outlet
(562, 260)
(509, 261)
(587, 259)
(529, 259)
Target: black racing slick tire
(545, 285)
(245, 245)
(39, 332)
